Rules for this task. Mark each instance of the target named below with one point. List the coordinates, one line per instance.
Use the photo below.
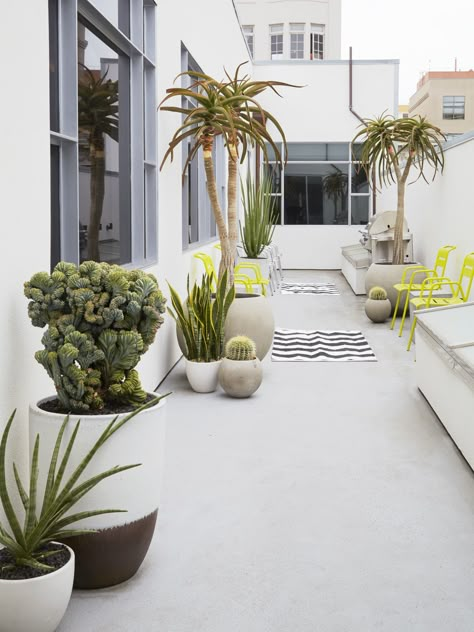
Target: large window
(316, 41)
(250, 38)
(103, 131)
(321, 184)
(276, 41)
(199, 225)
(297, 41)
(453, 107)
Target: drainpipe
(352, 111)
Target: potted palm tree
(227, 108)
(392, 148)
(36, 567)
(99, 320)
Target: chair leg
(395, 310)
(412, 332)
(404, 315)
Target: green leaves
(202, 318)
(259, 216)
(60, 495)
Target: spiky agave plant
(259, 216)
(228, 109)
(25, 542)
(391, 147)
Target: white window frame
(450, 108)
(297, 40)
(317, 41)
(142, 126)
(249, 34)
(277, 37)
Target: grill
(377, 237)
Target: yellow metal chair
(256, 279)
(239, 279)
(436, 271)
(460, 291)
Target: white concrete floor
(331, 501)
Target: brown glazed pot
(115, 552)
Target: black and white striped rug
(308, 288)
(317, 345)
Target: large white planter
(251, 315)
(386, 275)
(37, 604)
(115, 552)
(202, 376)
(262, 262)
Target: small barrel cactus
(100, 319)
(240, 348)
(378, 293)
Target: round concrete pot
(386, 275)
(115, 552)
(378, 310)
(202, 376)
(240, 378)
(251, 315)
(36, 604)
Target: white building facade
(291, 29)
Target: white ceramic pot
(115, 552)
(251, 315)
(262, 262)
(240, 378)
(36, 604)
(202, 376)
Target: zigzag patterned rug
(308, 288)
(316, 345)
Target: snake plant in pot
(36, 567)
(99, 320)
(200, 321)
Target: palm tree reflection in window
(335, 188)
(98, 118)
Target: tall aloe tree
(226, 108)
(391, 148)
(98, 118)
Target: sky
(423, 34)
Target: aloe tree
(229, 109)
(391, 148)
(98, 118)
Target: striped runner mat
(308, 288)
(317, 345)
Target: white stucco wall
(441, 212)
(261, 13)
(319, 111)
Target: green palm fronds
(259, 215)
(202, 318)
(54, 520)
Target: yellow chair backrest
(442, 260)
(467, 275)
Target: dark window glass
(55, 207)
(360, 183)
(316, 194)
(360, 209)
(104, 150)
(277, 208)
(53, 66)
(273, 171)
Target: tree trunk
(232, 223)
(97, 186)
(226, 257)
(398, 245)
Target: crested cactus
(240, 348)
(378, 293)
(100, 319)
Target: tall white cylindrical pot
(115, 552)
(36, 604)
(251, 315)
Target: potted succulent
(36, 567)
(240, 374)
(99, 321)
(200, 322)
(391, 149)
(377, 306)
(259, 221)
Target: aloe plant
(51, 523)
(259, 216)
(202, 318)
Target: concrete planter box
(445, 369)
(355, 261)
